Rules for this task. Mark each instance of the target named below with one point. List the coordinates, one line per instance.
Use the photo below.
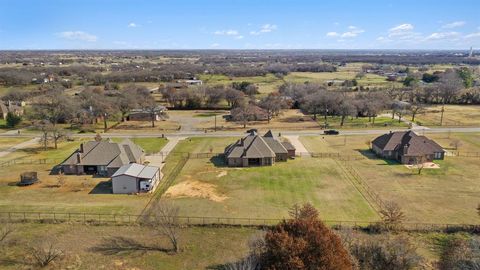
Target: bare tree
(5, 231)
(456, 143)
(273, 104)
(416, 108)
(45, 251)
(166, 222)
(392, 215)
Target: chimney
(81, 148)
(79, 157)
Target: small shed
(135, 178)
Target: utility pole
(215, 128)
(441, 116)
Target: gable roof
(407, 143)
(255, 146)
(137, 170)
(106, 153)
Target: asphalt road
(423, 130)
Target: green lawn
(205, 187)
(445, 195)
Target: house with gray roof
(407, 147)
(256, 150)
(135, 178)
(102, 157)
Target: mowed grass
(6, 143)
(361, 122)
(454, 115)
(78, 193)
(86, 247)
(267, 192)
(446, 195)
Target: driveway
(300, 149)
(158, 158)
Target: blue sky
(239, 24)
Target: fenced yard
(445, 195)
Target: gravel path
(22, 145)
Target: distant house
(12, 107)
(102, 158)
(256, 150)
(407, 147)
(144, 115)
(135, 178)
(191, 82)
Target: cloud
(400, 30)
(133, 25)
(454, 25)
(353, 32)
(226, 32)
(214, 45)
(473, 35)
(78, 35)
(443, 36)
(266, 28)
(238, 37)
(333, 34)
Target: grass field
(86, 247)
(445, 195)
(205, 187)
(454, 115)
(361, 122)
(6, 143)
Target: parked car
(331, 132)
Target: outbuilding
(135, 178)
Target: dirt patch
(222, 174)
(426, 165)
(196, 189)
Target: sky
(239, 24)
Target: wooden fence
(123, 219)
(20, 161)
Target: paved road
(425, 130)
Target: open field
(78, 193)
(361, 122)
(454, 115)
(145, 126)
(6, 143)
(87, 247)
(445, 195)
(205, 187)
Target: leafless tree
(165, 221)
(456, 143)
(6, 230)
(416, 108)
(273, 104)
(45, 251)
(392, 215)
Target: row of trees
(55, 107)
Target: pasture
(205, 187)
(445, 195)
(454, 115)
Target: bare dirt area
(195, 189)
